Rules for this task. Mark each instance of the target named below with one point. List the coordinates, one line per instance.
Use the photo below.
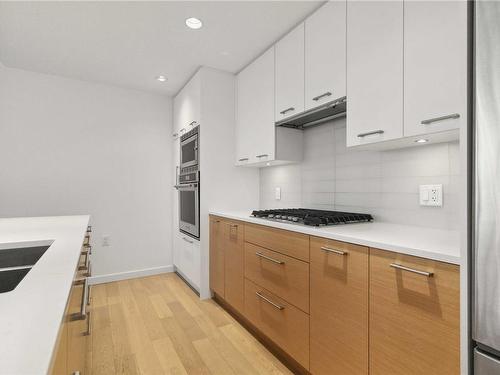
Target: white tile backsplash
(383, 183)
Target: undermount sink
(16, 263)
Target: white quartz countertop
(31, 314)
(435, 244)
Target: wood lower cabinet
(283, 275)
(72, 353)
(234, 265)
(283, 323)
(414, 316)
(217, 268)
(339, 308)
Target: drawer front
(339, 307)
(282, 275)
(283, 323)
(414, 317)
(286, 242)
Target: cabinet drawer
(282, 275)
(414, 316)
(283, 323)
(339, 307)
(286, 242)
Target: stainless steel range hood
(328, 111)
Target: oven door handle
(185, 186)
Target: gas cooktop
(312, 217)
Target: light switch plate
(431, 195)
(277, 193)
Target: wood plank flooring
(157, 325)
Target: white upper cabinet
(187, 110)
(290, 74)
(435, 70)
(325, 59)
(374, 71)
(255, 130)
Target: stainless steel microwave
(189, 148)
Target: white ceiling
(130, 43)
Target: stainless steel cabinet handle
(233, 225)
(328, 250)
(89, 270)
(89, 228)
(182, 130)
(89, 324)
(192, 123)
(316, 98)
(85, 267)
(187, 240)
(269, 301)
(81, 315)
(403, 268)
(361, 135)
(89, 297)
(287, 110)
(243, 159)
(270, 259)
(436, 119)
(262, 156)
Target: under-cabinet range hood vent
(328, 111)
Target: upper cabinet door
(325, 49)
(187, 111)
(374, 71)
(435, 73)
(290, 74)
(255, 130)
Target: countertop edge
(406, 250)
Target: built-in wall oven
(188, 184)
(189, 204)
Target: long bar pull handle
(441, 118)
(403, 268)
(279, 307)
(243, 159)
(334, 251)
(361, 135)
(262, 156)
(81, 315)
(270, 259)
(287, 110)
(316, 98)
(89, 324)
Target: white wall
(383, 183)
(71, 147)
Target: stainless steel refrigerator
(486, 238)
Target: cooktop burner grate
(312, 217)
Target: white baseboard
(101, 279)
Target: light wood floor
(157, 325)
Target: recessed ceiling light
(422, 140)
(161, 78)
(194, 23)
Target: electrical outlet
(277, 193)
(106, 240)
(431, 195)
